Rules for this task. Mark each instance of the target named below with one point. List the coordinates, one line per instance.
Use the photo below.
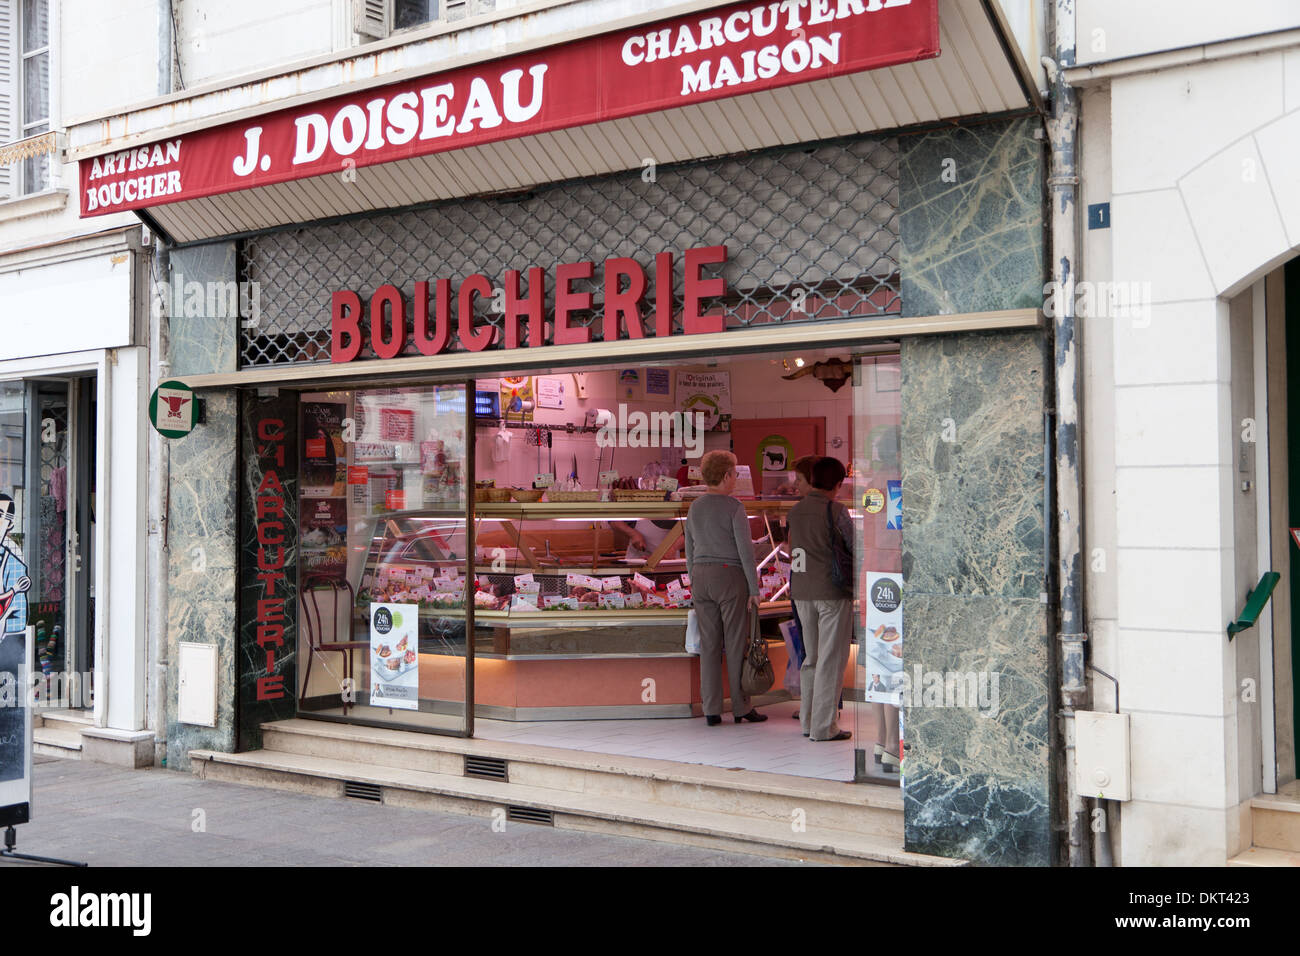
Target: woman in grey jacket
(724, 585)
(825, 612)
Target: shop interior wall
(757, 391)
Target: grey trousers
(720, 595)
(827, 630)
(887, 727)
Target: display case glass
(557, 579)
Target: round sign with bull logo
(172, 409)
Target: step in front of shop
(58, 734)
(761, 813)
(1275, 829)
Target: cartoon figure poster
(14, 582)
(395, 656)
(15, 664)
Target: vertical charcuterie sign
(268, 610)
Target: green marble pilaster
(977, 780)
(203, 329)
(971, 218)
(201, 568)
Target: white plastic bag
(692, 633)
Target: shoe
(754, 716)
(805, 735)
(713, 719)
(889, 761)
(877, 752)
(795, 715)
(842, 735)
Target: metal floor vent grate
(362, 791)
(545, 818)
(489, 768)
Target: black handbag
(756, 674)
(841, 554)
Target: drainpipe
(1063, 186)
(159, 478)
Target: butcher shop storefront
(493, 319)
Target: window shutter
(9, 174)
(370, 18)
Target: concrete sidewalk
(108, 816)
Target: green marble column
(201, 568)
(976, 778)
(977, 781)
(204, 327)
(971, 218)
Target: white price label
(544, 481)
(608, 478)
(666, 483)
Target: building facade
(74, 360)
(391, 213)
(1188, 133)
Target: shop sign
(270, 472)
(171, 409)
(736, 49)
(623, 280)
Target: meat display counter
(579, 607)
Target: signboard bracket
(9, 853)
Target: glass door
(46, 547)
(878, 619)
(386, 557)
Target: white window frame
(24, 127)
(377, 19)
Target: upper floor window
(34, 83)
(377, 19)
(26, 159)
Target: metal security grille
(811, 233)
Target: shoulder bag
(756, 675)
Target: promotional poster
(394, 656)
(884, 638)
(324, 460)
